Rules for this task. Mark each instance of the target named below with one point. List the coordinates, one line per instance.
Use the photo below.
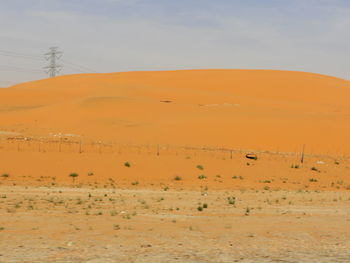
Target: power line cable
(79, 66)
(19, 55)
(19, 69)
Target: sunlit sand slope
(248, 109)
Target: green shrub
(231, 200)
(266, 181)
(200, 167)
(177, 178)
(127, 164)
(74, 175)
(313, 180)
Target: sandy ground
(57, 224)
(267, 211)
(151, 167)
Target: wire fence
(78, 145)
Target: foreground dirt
(95, 224)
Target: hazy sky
(124, 35)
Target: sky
(131, 35)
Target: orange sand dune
(248, 109)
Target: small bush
(200, 167)
(177, 178)
(313, 180)
(74, 175)
(205, 205)
(314, 169)
(5, 175)
(231, 200)
(127, 164)
(200, 209)
(135, 183)
(202, 176)
(266, 181)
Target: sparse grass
(135, 183)
(296, 166)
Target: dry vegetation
(41, 224)
(197, 206)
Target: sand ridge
(252, 109)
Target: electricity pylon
(52, 56)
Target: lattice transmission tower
(52, 56)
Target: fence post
(303, 154)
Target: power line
(53, 55)
(15, 54)
(80, 67)
(19, 69)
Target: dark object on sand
(251, 156)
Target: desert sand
(267, 110)
(152, 167)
